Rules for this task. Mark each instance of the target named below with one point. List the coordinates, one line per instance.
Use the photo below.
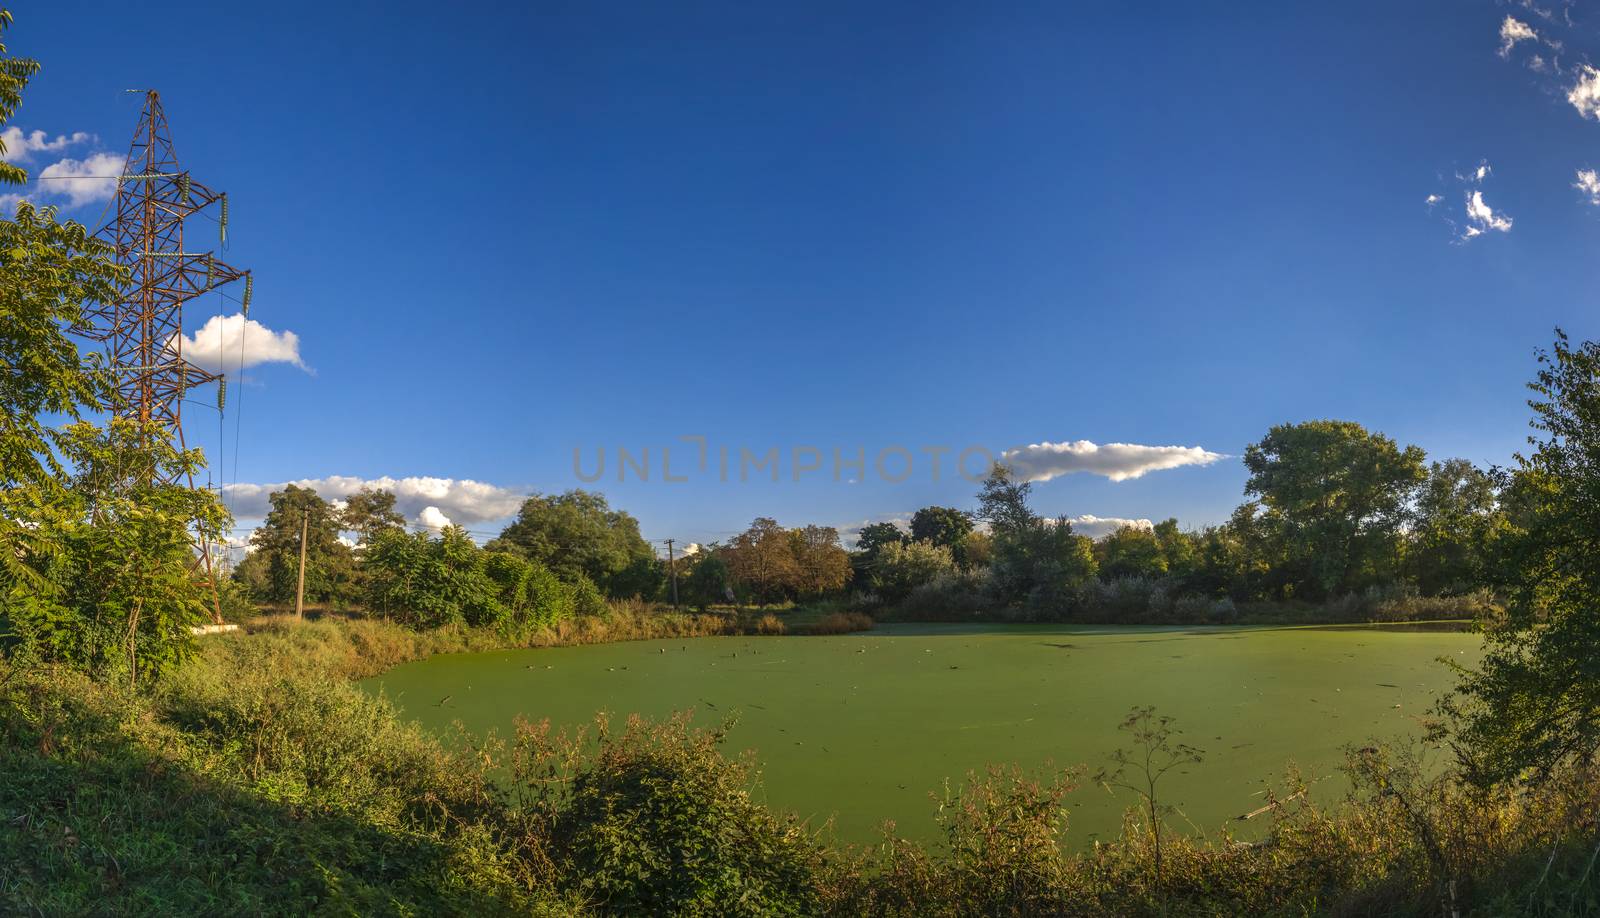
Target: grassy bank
(257, 778)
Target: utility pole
(300, 588)
(672, 566)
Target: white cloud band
(1116, 461)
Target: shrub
(657, 821)
(841, 623)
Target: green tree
(1337, 494)
(707, 580)
(903, 566)
(1037, 562)
(1179, 549)
(945, 526)
(1533, 703)
(1130, 551)
(577, 533)
(329, 562)
(874, 536)
(1455, 516)
(368, 512)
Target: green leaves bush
(425, 582)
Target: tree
(577, 533)
(1036, 561)
(1179, 549)
(821, 565)
(1338, 495)
(904, 566)
(874, 536)
(1130, 551)
(1533, 703)
(707, 580)
(944, 526)
(94, 562)
(368, 512)
(329, 562)
(1456, 513)
(427, 582)
(762, 558)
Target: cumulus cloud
(1589, 183)
(21, 145)
(460, 500)
(1096, 526)
(1116, 461)
(1513, 31)
(1585, 94)
(82, 181)
(1434, 199)
(433, 518)
(228, 344)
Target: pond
(863, 727)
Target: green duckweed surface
(863, 727)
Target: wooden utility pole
(672, 566)
(300, 588)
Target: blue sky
(499, 234)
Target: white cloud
(433, 518)
(461, 500)
(228, 344)
(1513, 31)
(20, 146)
(8, 204)
(1481, 216)
(1096, 526)
(1116, 461)
(1589, 183)
(82, 181)
(1585, 94)
(1434, 199)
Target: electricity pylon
(143, 329)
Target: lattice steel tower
(143, 330)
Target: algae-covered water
(862, 727)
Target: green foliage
(874, 536)
(707, 581)
(577, 533)
(902, 566)
(14, 75)
(368, 512)
(110, 585)
(1334, 496)
(425, 582)
(1534, 702)
(1038, 563)
(943, 526)
(656, 821)
(1130, 551)
(330, 565)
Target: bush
(841, 623)
(657, 821)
